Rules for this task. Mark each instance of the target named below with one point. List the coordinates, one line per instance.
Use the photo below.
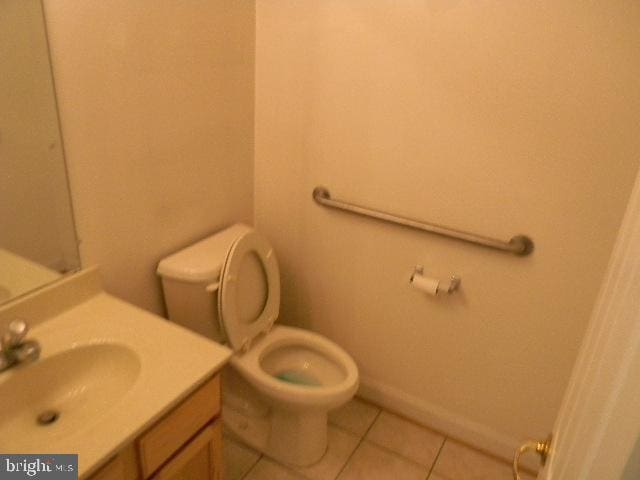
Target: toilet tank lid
(202, 261)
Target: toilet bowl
(282, 380)
(299, 368)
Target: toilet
(282, 380)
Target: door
(598, 426)
(200, 459)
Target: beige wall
(156, 104)
(490, 116)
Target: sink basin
(70, 390)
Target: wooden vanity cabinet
(185, 444)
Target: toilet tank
(190, 280)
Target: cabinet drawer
(183, 422)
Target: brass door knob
(541, 448)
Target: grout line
(393, 452)
(494, 458)
(283, 466)
(252, 467)
(435, 460)
(296, 472)
(398, 454)
(359, 443)
(380, 410)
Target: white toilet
(283, 380)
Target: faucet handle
(15, 334)
(27, 351)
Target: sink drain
(48, 417)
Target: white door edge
(599, 420)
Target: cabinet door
(123, 466)
(200, 459)
(169, 435)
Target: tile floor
(368, 443)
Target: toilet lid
(249, 293)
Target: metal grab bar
(518, 245)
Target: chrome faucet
(15, 348)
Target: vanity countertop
(110, 370)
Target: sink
(70, 391)
(107, 372)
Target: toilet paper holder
(454, 280)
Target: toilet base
(298, 439)
(284, 435)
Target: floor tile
(370, 462)
(355, 416)
(267, 469)
(406, 438)
(340, 446)
(459, 462)
(238, 459)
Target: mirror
(37, 235)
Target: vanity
(135, 396)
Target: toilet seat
(241, 331)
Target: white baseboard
(443, 421)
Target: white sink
(72, 389)
(108, 370)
